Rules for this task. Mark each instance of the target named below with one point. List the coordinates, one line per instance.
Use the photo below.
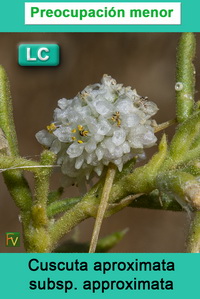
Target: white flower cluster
(104, 123)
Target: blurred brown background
(146, 61)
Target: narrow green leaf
(55, 195)
(156, 200)
(104, 245)
(61, 206)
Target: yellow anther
(51, 128)
(83, 133)
(80, 141)
(74, 131)
(73, 138)
(80, 128)
(84, 95)
(116, 118)
(119, 122)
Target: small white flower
(104, 123)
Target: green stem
(185, 76)
(39, 239)
(6, 114)
(143, 179)
(70, 219)
(42, 178)
(194, 235)
(164, 125)
(180, 150)
(110, 175)
(152, 200)
(184, 186)
(16, 183)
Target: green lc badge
(38, 54)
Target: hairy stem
(185, 76)
(194, 235)
(42, 178)
(39, 239)
(110, 175)
(16, 183)
(70, 219)
(164, 125)
(6, 114)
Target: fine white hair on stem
(28, 167)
